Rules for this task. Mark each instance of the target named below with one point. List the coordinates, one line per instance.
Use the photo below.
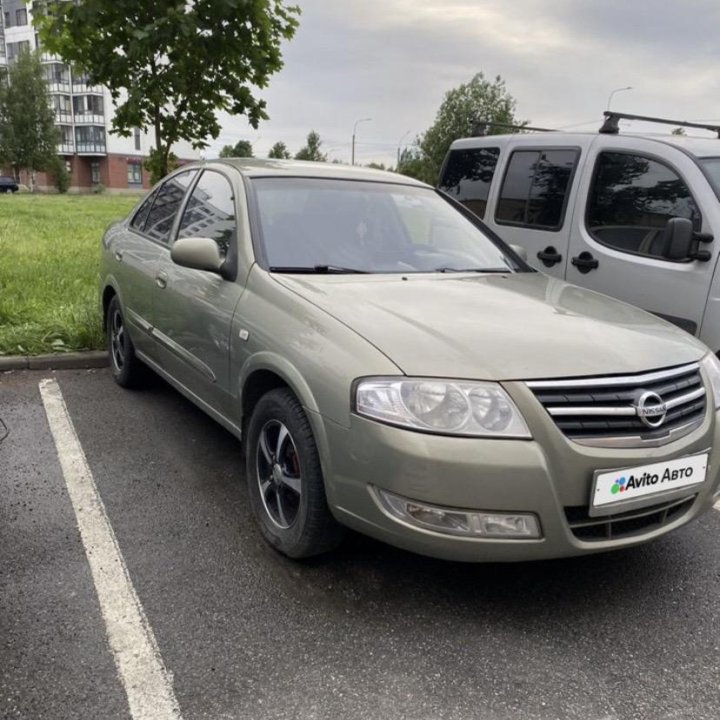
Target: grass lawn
(49, 252)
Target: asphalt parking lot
(367, 632)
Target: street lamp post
(617, 90)
(357, 122)
(400, 147)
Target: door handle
(585, 262)
(118, 255)
(549, 256)
(161, 279)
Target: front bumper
(549, 476)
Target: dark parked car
(7, 184)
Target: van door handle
(161, 279)
(549, 256)
(585, 262)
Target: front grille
(627, 524)
(608, 410)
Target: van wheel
(126, 368)
(285, 482)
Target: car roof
(261, 167)
(697, 146)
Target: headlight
(446, 407)
(711, 365)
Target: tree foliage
(242, 148)
(171, 66)
(479, 100)
(279, 151)
(28, 136)
(311, 150)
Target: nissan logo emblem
(651, 409)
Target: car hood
(497, 327)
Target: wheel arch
(266, 371)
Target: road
(367, 632)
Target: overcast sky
(393, 60)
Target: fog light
(460, 522)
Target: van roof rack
(610, 125)
(480, 127)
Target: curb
(56, 361)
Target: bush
(60, 174)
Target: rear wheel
(285, 481)
(126, 368)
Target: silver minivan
(627, 215)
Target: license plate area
(616, 491)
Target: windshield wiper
(476, 270)
(332, 269)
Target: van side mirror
(677, 239)
(681, 242)
(199, 253)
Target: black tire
(285, 481)
(126, 368)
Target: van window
(535, 188)
(467, 176)
(631, 199)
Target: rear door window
(631, 200)
(168, 199)
(535, 188)
(467, 176)
(138, 222)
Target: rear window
(467, 176)
(535, 188)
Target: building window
(134, 173)
(95, 172)
(21, 16)
(136, 134)
(7, 19)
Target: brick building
(83, 114)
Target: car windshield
(320, 225)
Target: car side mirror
(677, 239)
(199, 253)
(521, 251)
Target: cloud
(393, 60)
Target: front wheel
(125, 366)
(285, 481)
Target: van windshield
(331, 225)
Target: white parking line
(147, 682)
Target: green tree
(377, 166)
(169, 65)
(311, 151)
(28, 136)
(463, 107)
(242, 148)
(279, 151)
(679, 131)
(413, 162)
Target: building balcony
(82, 88)
(90, 148)
(48, 58)
(66, 149)
(63, 118)
(89, 119)
(59, 87)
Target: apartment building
(83, 114)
